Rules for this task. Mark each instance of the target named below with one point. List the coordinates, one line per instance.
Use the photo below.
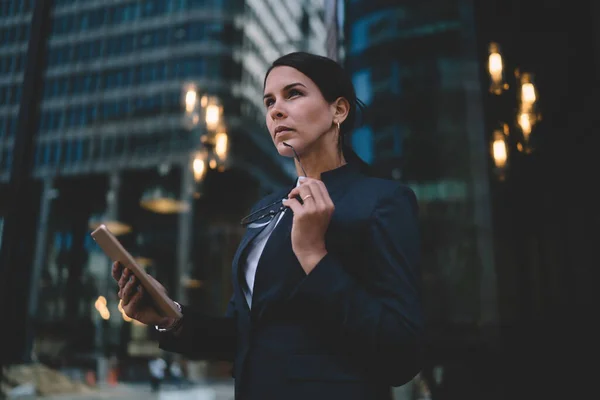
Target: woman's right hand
(135, 301)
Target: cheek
(269, 124)
(318, 118)
(310, 113)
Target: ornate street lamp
(527, 115)
(202, 116)
(213, 148)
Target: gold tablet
(116, 252)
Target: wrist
(166, 323)
(169, 324)
(309, 261)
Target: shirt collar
(337, 178)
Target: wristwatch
(174, 325)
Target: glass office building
(415, 65)
(113, 132)
(14, 35)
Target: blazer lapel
(276, 266)
(238, 270)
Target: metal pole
(39, 255)
(19, 228)
(184, 231)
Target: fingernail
(301, 178)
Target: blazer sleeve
(379, 319)
(203, 336)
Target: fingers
(129, 290)
(294, 204)
(320, 188)
(117, 270)
(314, 195)
(317, 200)
(124, 277)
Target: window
(90, 82)
(79, 150)
(119, 149)
(83, 52)
(97, 18)
(57, 152)
(95, 147)
(72, 118)
(47, 151)
(18, 90)
(108, 145)
(12, 127)
(109, 110)
(151, 8)
(152, 72)
(67, 151)
(91, 113)
(148, 104)
(39, 151)
(151, 39)
(175, 5)
(84, 22)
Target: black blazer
(348, 330)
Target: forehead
(281, 76)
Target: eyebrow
(291, 85)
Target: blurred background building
(150, 119)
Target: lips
(282, 129)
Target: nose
(276, 112)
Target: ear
(340, 109)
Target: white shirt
(255, 249)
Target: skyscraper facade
(120, 137)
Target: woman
(326, 282)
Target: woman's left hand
(311, 220)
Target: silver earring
(338, 126)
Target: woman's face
(296, 111)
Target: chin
(284, 150)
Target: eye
(268, 102)
(294, 92)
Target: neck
(319, 159)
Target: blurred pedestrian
(326, 281)
(157, 367)
(176, 373)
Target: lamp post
(513, 110)
(527, 114)
(203, 118)
(212, 149)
